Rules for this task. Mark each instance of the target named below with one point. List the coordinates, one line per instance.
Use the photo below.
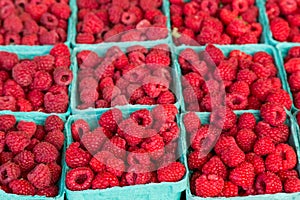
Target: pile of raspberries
(30, 156)
(140, 149)
(139, 76)
(292, 67)
(249, 158)
(200, 22)
(284, 18)
(248, 80)
(33, 22)
(120, 21)
(40, 84)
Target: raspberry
(236, 101)
(142, 117)
(87, 4)
(7, 122)
(17, 141)
(53, 122)
(196, 161)
(85, 38)
(264, 146)
(51, 191)
(2, 141)
(243, 175)
(56, 138)
(246, 121)
(294, 81)
(40, 176)
(62, 76)
(209, 185)
(237, 28)
(22, 75)
(172, 173)
(216, 167)
(105, 180)
(240, 87)
(25, 160)
(45, 152)
(247, 76)
(11, 171)
(92, 24)
(11, 59)
(292, 185)
(229, 190)
(110, 119)
(292, 65)
(56, 103)
(42, 81)
(224, 143)
(284, 175)
(233, 156)
(191, 122)
(154, 145)
(268, 183)
(60, 50)
(76, 157)
(226, 70)
(55, 171)
(24, 105)
(61, 10)
(280, 97)
(27, 127)
(44, 62)
(49, 21)
(136, 175)
(36, 98)
(146, 5)
(79, 128)
(261, 89)
(6, 156)
(79, 179)
(115, 166)
(165, 113)
(280, 29)
(93, 141)
(257, 162)
(215, 54)
(208, 35)
(11, 88)
(8, 103)
(21, 187)
(273, 114)
(156, 60)
(246, 139)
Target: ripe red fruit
(79, 179)
(209, 185)
(268, 183)
(171, 173)
(243, 175)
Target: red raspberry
(55, 171)
(273, 114)
(284, 175)
(155, 146)
(42, 81)
(215, 54)
(25, 160)
(280, 29)
(268, 183)
(288, 7)
(226, 70)
(243, 175)
(196, 160)
(6, 156)
(226, 15)
(62, 76)
(257, 162)
(166, 97)
(208, 35)
(11, 171)
(51, 191)
(224, 143)
(53, 122)
(12, 38)
(236, 101)
(8, 103)
(60, 50)
(97, 163)
(216, 167)
(79, 179)
(229, 190)
(172, 173)
(233, 156)
(24, 105)
(40, 176)
(11, 88)
(85, 38)
(247, 76)
(115, 166)
(7, 122)
(191, 122)
(8, 60)
(142, 117)
(90, 4)
(246, 121)
(292, 65)
(281, 97)
(61, 10)
(44, 62)
(22, 75)
(294, 81)
(237, 28)
(246, 139)
(209, 185)
(92, 24)
(264, 146)
(145, 101)
(45, 152)
(254, 103)
(240, 87)
(17, 141)
(105, 180)
(27, 127)
(21, 187)
(2, 141)
(56, 138)
(138, 174)
(250, 15)
(287, 155)
(146, 5)
(165, 113)
(93, 141)
(110, 119)
(56, 103)
(79, 128)
(36, 98)
(292, 185)
(76, 157)
(261, 89)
